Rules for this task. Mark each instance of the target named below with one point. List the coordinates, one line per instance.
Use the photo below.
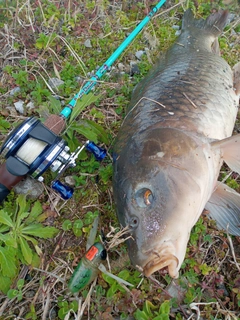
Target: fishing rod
(33, 146)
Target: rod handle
(7, 181)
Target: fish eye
(144, 197)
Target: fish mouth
(166, 260)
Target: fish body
(171, 146)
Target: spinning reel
(32, 148)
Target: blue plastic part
(98, 152)
(65, 192)
(66, 112)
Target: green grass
(45, 39)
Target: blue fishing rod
(106, 66)
(33, 146)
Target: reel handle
(56, 124)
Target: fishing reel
(32, 148)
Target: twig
(192, 103)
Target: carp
(176, 134)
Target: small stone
(30, 105)
(14, 90)
(55, 82)
(231, 17)
(30, 294)
(121, 66)
(134, 69)
(175, 27)
(19, 106)
(32, 188)
(88, 44)
(177, 33)
(139, 54)
(70, 181)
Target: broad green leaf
(20, 295)
(56, 106)
(124, 274)
(12, 293)
(112, 290)
(78, 224)
(141, 315)
(35, 212)
(21, 201)
(165, 307)
(5, 219)
(20, 284)
(32, 314)
(105, 173)
(5, 283)
(42, 217)
(40, 231)
(35, 261)
(91, 130)
(8, 261)
(21, 216)
(86, 131)
(77, 232)
(108, 279)
(162, 317)
(31, 239)
(73, 305)
(8, 239)
(4, 228)
(67, 225)
(82, 103)
(63, 312)
(38, 250)
(26, 250)
(148, 306)
(98, 130)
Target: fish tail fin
(213, 25)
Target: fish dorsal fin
(230, 149)
(224, 207)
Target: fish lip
(166, 260)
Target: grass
(45, 39)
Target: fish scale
(210, 94)
(171, 146)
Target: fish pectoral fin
(236, 78)
(224, 207)
(230, 148)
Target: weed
(66, 308)
(76, 226)
(16, 293)
(149, 311)
(4, 125)
(19, 229)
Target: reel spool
(32, 148)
